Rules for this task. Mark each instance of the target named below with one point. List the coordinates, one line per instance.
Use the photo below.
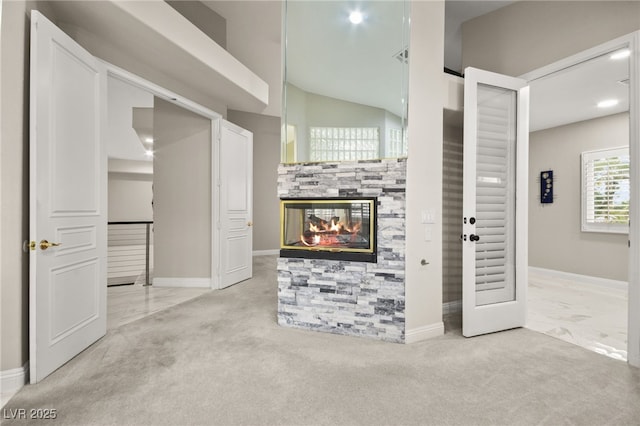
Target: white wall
(423, 284)
(181, 193)
(555, 239)
(527, 35)
(130, 196)
(305, 110)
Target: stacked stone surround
(352, 298)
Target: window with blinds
(343, 143)
(605, 190)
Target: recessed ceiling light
(356, 17)
(608, 103)
(148, 140)
(149, 153)
(621, 54)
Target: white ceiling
(328, 55)
(572, 95)
(323, 58)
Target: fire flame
(326, 233)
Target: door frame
(216, 118)
(632, 42)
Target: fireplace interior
(336, 229)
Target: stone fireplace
(362, 296)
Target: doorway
(579, 208)
(132, 151)
(452, 195)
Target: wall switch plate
(428, 233)
(428, 216)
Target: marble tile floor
(588, 315)
(129, 303)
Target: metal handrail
(148, 225)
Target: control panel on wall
(546, 187)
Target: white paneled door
(236, 204)
(67, 275)
(494, 253)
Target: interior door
(494, 253)
(68, 178)
(236, 204)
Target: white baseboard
(581, 279)
(265, 252)
(12, 380)
(182, 282)
(423, 333)
(452, 307)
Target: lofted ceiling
(254, 38)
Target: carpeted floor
(221, 359)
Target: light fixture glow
(148, 153)
(148, 140)
(621, 54)
(356, 17)
(608, 103)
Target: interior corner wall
(203, 17)
(181, 193)
(424, 171)
(266, 157)
(14, 181)
(527, 35)
(130, 197)
(296, 115)
(556, 241)
(102, 49)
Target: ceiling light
(148, 140)
(356, 17)
(608, 103)
(621, 54)
(148, 153)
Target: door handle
(44, 244)
(474, 237)
(249, 223)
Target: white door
(494, 253)
(68, 205)
(236, 204)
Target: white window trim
(586, 226)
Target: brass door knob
(44, 244)
(249, 223)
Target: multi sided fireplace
(329, 228)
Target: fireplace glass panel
(329, 228)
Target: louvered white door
(494, 254)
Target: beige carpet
(221, 359)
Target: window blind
(605, 190)
(495, 193)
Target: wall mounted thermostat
(546, 187)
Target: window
(397, 146)
(605, 190)
(343, 143)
